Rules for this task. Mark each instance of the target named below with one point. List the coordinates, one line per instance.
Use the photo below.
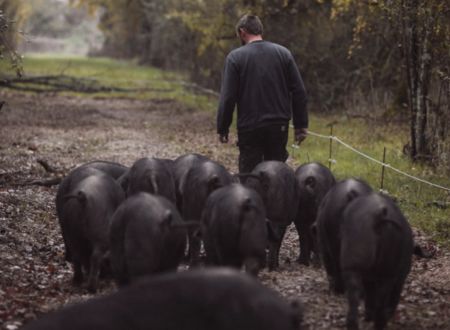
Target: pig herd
(147, 219)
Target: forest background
(377, 72)
(386, 59)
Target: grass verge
(148, 82)
(425, 206)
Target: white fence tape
(335, 138)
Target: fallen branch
(64, 83)
(45, 183)
(199, 88)
(32, 182)
(48, 168)
(10, 179)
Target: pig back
(219, 299)
(375, 237)
(279, 192)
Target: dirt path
(67, 131)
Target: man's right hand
(223, 138)
(300, 134)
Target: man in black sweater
(263, 80)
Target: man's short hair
(251, 24)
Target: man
(263, 79)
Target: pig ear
(264, 179)
(247, 204)
(124, 180)
(384, 212)
(214, 183)
(310, 181)
(313, 229)
(351, 195)
(167, 219)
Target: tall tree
(417, 35)
(424, 32)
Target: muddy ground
(67, 131)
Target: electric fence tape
(335, 138)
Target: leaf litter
(68, 131)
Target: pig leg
(212, 257)
(77, 273)
(315, 244)
(194, 249)
(333, 273)
(394, 296)
(303, 225)
(252, 266)
(305, 241)
(315, 259)
(94, 271)
(338, 286)
(67, 253)
(381, 300)
(79, 264)
(117, 247)
(369, 298)
(354, 291)
(277, 235)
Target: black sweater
(263, 79)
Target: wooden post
(382, 170)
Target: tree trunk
(422, 96)
(417, 57)
(409, 28)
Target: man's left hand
(223, 138)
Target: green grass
(426, 207)
(421, 203)
(149, 82)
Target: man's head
(249, 27)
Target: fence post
(331, 147)
(382, 170)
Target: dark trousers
(265, 143)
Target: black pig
(375, 257)
(314, 180)
(234, 228)
(201, 180)
(219, 299)
(145, 238)
(151, 175)
(181, 167)
(115, 170)
(275, 181)
(328, 225)
(85, 220)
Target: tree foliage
(412, 37)
(389, 57)
(53, 18)
(13, 14)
